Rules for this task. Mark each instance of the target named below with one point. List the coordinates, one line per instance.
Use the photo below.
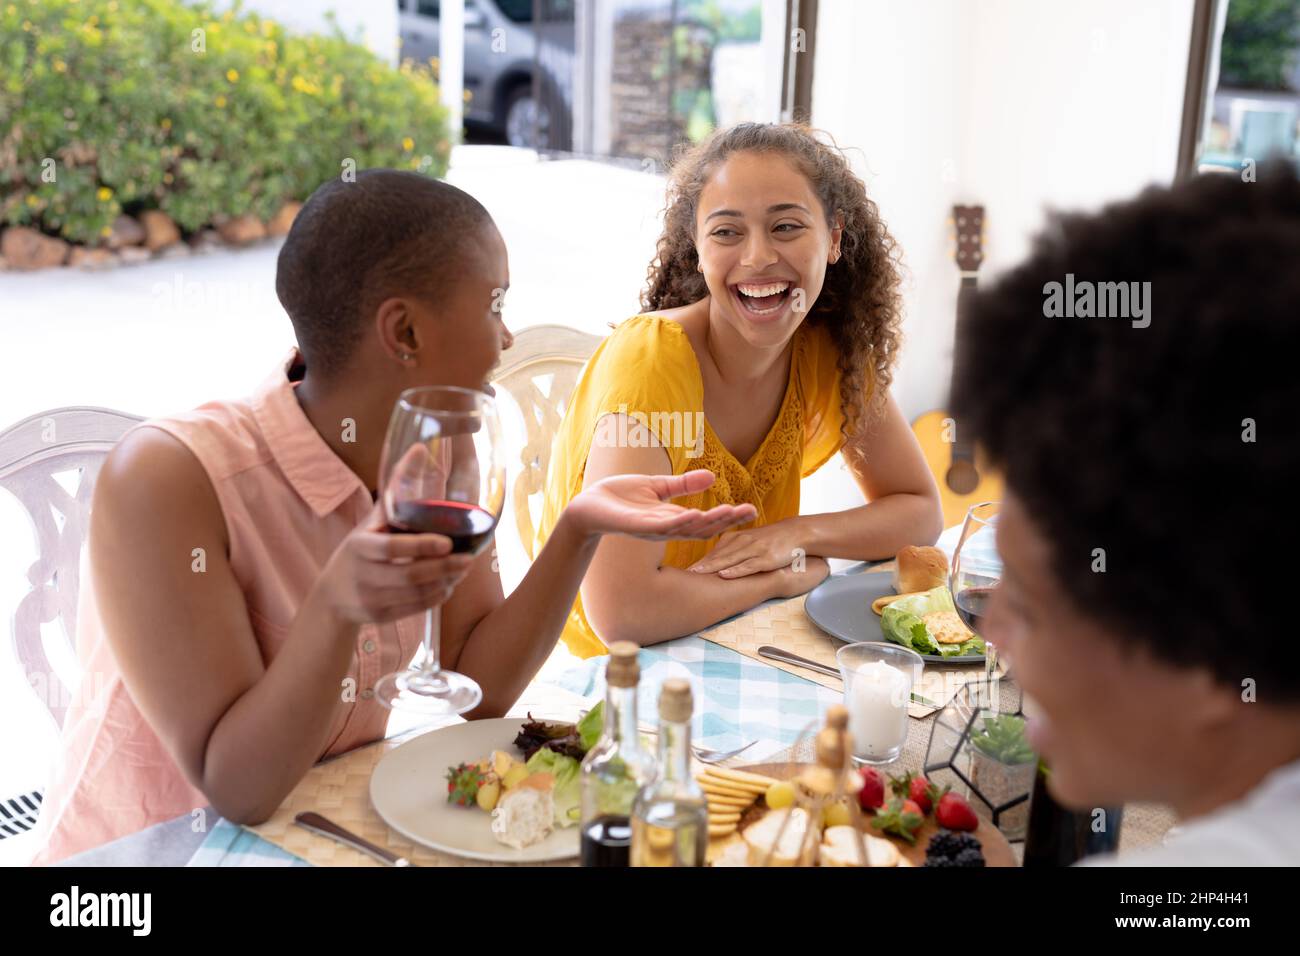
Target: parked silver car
(501, 43)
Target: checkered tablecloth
(738, 700)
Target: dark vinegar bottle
(607, 841)
(615, 768)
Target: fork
(702, 754)
(705, 755)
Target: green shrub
(135, 117)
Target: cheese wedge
(839, 848)
(762, 839)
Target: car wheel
(522, 109)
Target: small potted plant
(1002, 769)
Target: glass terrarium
(980, 750)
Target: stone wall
(641, 124)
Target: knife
(328, 828)
(785, 657)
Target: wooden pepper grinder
(828, 781)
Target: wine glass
(976, 570)
(442, 472)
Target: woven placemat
(785, 625)
(339, 788)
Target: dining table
(741, 701)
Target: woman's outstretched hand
(639, 505)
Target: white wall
(1016, 104)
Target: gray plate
(841, 606)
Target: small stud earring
(405, 356)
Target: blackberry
(943, 844)
(964, 841)
(953, 849)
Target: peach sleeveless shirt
(288, 501)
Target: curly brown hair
(859, 304)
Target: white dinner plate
(409, 791)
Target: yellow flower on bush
(221, 102)
(106, 232)
(408, 144)
(32, 201)
(232, 75)
(104, 194)
(60, 66)
(165, 123)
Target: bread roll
(919, 569)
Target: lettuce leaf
(566, 794)
(910, 631)
(901, 622)
(592, 723)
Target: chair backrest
(33, 453)
(539, 372)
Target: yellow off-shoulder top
(647, 370)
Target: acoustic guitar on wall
(963, 476)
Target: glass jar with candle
(878, 682)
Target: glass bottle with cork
(616, 768)
(670, 819)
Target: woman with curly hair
(768, 335)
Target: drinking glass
(442, 472)
(976, 571)
(878, 682)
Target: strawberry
(872, 794)
(900, 817)
(916, 788)
(954, 813)
(463, 782)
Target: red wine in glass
(442, 471)
(468, 526)
(972, 604)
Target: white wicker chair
(33, 453)
(539, 372)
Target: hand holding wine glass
(443, 473)
(375, 577)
